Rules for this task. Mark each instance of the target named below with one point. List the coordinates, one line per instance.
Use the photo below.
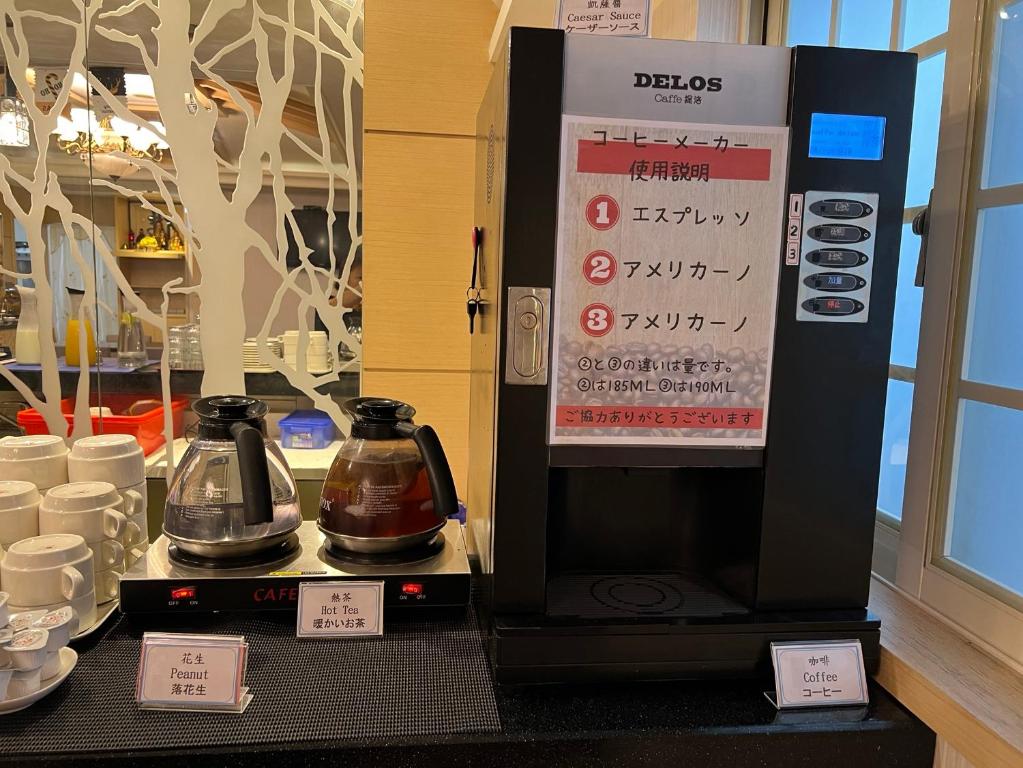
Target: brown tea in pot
(377, 497)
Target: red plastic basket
(147, 428)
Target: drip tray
(636, 595)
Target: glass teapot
(390, 485)
(233, 493)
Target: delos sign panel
(667, 272)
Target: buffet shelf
(422, 695)
(134, 253)
(147, 380)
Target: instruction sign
(620, 18)
(669, 243)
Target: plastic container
(307, 429)
(146, 427)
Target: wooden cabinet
(149, 270)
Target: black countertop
(422, 696)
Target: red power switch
(411, 588)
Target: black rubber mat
(636, 595)
(423, 677)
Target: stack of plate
(317, 358)
(250, 355)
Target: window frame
(910, 552)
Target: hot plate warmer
(429, 578)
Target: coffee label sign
(669, 236)
(819, 674)
(340, 609)
(618, 18)
(192, 672)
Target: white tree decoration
(174, 53)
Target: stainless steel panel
(527, 336)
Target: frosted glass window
(986, 524)
(865, 24)
(922, 20)
(994, 335)
(895, 447)
(809, 22)
(1005, 116)
(908, 302)
(923, 146)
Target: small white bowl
(24, 682)
(61, 624)
(51, 666)
(6, 634)
(27, 649)
(25, 619)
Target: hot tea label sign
(340, 608)
(669, 237)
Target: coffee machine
(686, 281)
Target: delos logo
(677, 82)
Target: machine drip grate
(620, 595)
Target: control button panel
(836, 256)
(823, 305)
(838, 282)
(840, 208)
(838, 233)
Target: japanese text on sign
(340, 608)
(668, 243)
(819, 674)
(191, 671)
(618, 18)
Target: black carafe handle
(442, 485)
(256, 495)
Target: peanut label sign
(669, 246)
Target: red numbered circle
(597, 320)
(600, 268)
(602, 212)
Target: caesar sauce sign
(620, 18)
(669, 247)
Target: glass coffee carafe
(233, 493)
(390, 486)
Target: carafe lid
(217, 414)
(374, 418)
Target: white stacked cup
(19, 511)
(49, 572)
(315, 350)
(38, 459)
(100, 515)
(120, 461)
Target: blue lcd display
(846, 137)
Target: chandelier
(111, 141)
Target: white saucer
(103, 612)
(68, 660)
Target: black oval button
(827, 305)
(838, 233)
(834, 281)
(836, 258)
(841, 209)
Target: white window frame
(910, 552)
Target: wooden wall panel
(426, 70)
(418, 217)
(441, 400)
(426, 64)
